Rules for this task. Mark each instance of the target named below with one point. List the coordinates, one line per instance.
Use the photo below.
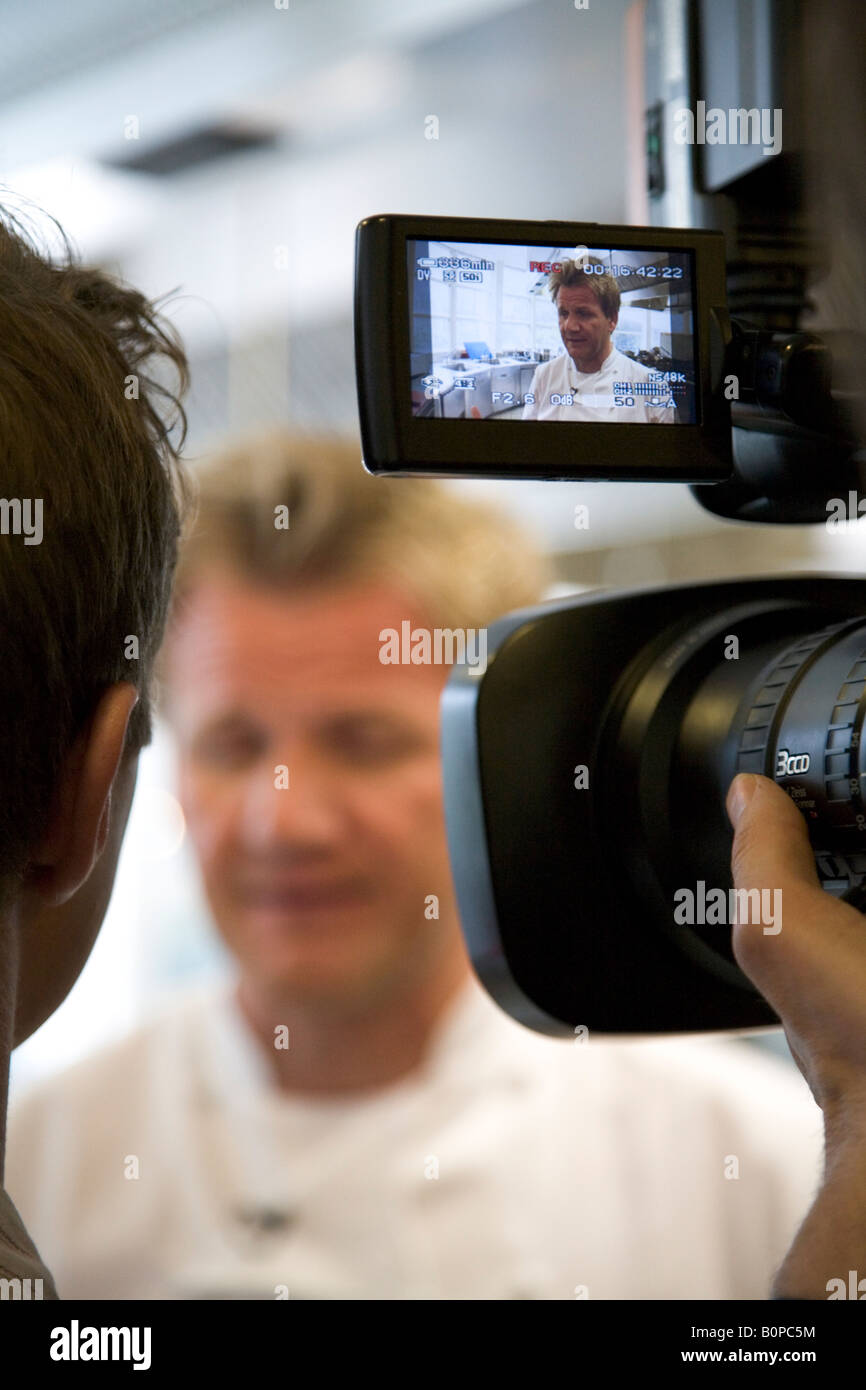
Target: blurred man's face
(583, 327)
(318, 889)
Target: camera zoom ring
(755, 737)
(841, 780)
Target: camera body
(585, 780)
(458, 332)
(586, 765)
(432, 384)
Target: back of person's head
(464, 562)
(89, 512)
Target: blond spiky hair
(465, 563)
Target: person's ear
(80, 812)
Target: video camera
(586, 766)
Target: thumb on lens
(771, 843)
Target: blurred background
(223, 151)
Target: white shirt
(509, 1165)
(561, 392)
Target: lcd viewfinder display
(583, 333)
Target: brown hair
(82, 436)
(465, 563)
(604, 287)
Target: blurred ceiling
(180, 141)
(178, 65)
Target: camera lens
(766, 688)
(804, 728)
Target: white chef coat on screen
(509, 1166)
(593, 395)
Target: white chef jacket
(561, 392)
(507, 1166)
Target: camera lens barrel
(768, 688)
(805, 730)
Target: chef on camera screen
(540, 333)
